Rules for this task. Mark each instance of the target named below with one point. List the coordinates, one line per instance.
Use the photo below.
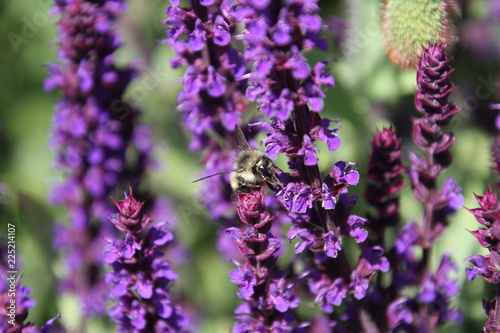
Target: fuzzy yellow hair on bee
(252, 168)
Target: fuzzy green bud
(411, 25)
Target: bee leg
(242, 189)
(277, 168)
(252, 186)
(270, 182)
(274, 185)
(245, 187)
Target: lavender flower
(385, 171)
(430, 306)
(488, 215)
(212, 101)
(432, 100)
(93, 128)
(268, 295)
(140, 276)
(212, 95)
(289, 91)
(15, 302)
(15, 314)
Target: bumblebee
(252, 168)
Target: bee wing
(240, 139)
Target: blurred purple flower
(386, 174)
(328, 293)
(427, 306)
(488, 266)
(211, 98)
(93, 128)
(15, 302)
(140, 276)
(399, 314)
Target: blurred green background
(370, 92)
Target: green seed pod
(410, 25)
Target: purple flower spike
(434, 86)
(434, 289)
(386, 174)
(211, 98)
(267, 295)
(140, 279)
(289, 91)
(127, 218)
(431, 100)
(15, 302)
(429, 307)
(488, 266)
(97, 142)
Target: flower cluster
(92, 130)
(268, 294)
(275, 34)
(15, 313)
(239, 53)
(288, 90)
(212, 96)
(140, 276)
(429, 307)
(386, 174)
(434, 89)
(488, 215)
(15, 302)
